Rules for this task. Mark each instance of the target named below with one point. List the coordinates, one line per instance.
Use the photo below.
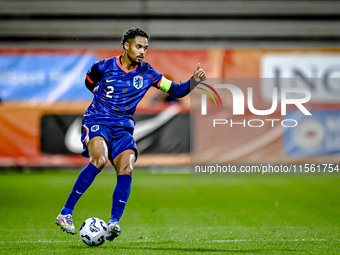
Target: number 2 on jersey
(110, 91)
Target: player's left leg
(124, 167)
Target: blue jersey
(117, 91)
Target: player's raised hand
(199, 74)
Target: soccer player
(118, 84)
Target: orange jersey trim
(122, 67)
(86, 135)
(89, 79)
(159, 83)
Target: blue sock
(120, 196)
(85, 179)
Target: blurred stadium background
(47, 46)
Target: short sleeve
(155, 76)
(93, 74)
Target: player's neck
(126, 62)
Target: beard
(133, 61)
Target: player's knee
(125, 169)
(99, 161)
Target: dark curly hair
(132, 33)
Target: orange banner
(20, 121)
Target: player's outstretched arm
(182, 89)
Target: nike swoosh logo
(122, 201)
(72, 136)
(146, 127)
(78, 192)
(107, 80)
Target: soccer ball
(93, 231)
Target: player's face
(136, 50)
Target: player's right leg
(98, 152)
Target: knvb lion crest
(95, 128)
(138, 81)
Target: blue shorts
(118, 139)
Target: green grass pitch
(174, 214)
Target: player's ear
(126, 46)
